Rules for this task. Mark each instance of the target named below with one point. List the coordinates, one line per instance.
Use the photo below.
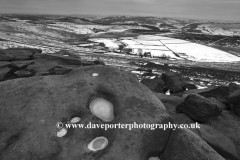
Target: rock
(24, 73)
(199, 108)
(190, 86)
(3, 73)
(4, 64)
(19, 54)
(26, 102)
(62, 60)
(181, 118)
(171, 109)
(219, 142)
(184, 144)
(156, 84)
(97, 62)
(57, 70)
(234, 99)
(220, 93)
(227, 124)
(5, 57)
(233, 87)
(170, 103)
(175, 82)
(174, 100)
(220, 104)
(21, 64)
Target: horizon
(75, 15)
(215, 10)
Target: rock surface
(156, 84)
(219, 142)
(234, 99)
(220, 93)
(174, 100)
(199, 108)
(175, 82)
(185, 144)
(233, 87)
(228, 124)
(19, 63)
(31, 107)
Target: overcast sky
(196, 9)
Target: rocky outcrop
(175, 83)
(199, 108)
(17, 54)
(22, 63)
(219, 142)
(234, 99)
(31, 107)
(185, 144)
(156, 84)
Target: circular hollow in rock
(62, 132)
(97, 144)
(102, 109)
(75, 119)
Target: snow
(201, 87)
(201, 53)
(110, 43)
(164, 46)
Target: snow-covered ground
(215, 30)
(110, 43)
(164, 46)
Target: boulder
(220, 93)
(199, 108)
(227, 124)
(156, 84)
(185, 144)
(233, 87)
(220, 104)
(3, 73)
(219, 142)
(175, 83)
(31, 107)
(234, 99)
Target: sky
(227, 10)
